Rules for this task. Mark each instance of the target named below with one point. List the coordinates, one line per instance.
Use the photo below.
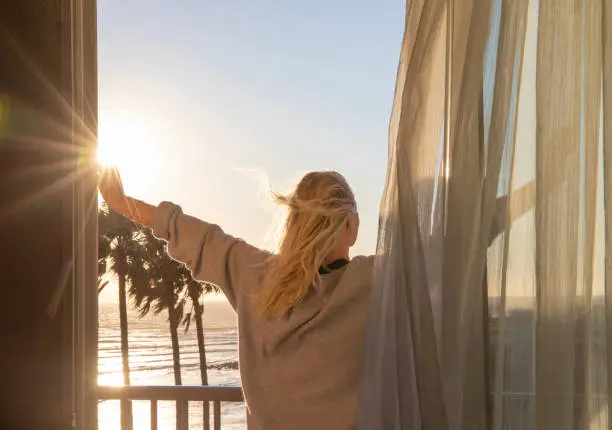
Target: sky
(223, 94)
(206, 99)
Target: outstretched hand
(111, 187)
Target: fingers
(116, 177)
(110, 174)
(105, 178)
(110, 180)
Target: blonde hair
(318, 209)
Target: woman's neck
(337, 254)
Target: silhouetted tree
(195, 292)
(167, 281)
(121, 252)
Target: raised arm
(210, 254)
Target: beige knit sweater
(299, 372)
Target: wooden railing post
(182, 415)
(217, 415)
(206, 415)
(153, 414)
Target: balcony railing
(182, 395)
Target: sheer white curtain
(490, 305)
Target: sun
(127, 140)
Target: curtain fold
(558, 106)
(491, 304)
(607, 167)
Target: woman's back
(303, 371)
(299, 371)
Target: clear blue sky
(278, 87)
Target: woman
(301, 311)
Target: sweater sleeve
(210, 254)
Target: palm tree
(167, 280)
(170, 285)
(195, 291)
(103, 249)
(122, 254)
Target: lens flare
(128, 141)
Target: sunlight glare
(128, 141)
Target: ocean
(151, 363)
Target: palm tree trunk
(198, 310)
(181, 407)
(176, 356)
(126, 406)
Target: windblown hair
(318, 209)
